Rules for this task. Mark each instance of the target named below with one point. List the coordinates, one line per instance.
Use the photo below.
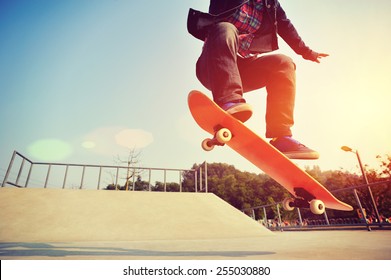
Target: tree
(168, 187)
(132, 171)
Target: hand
(314, 56)
(319, 57)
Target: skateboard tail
(289, 183)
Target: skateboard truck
(304, 199)
(221, 137)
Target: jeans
(228, 76)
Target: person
(234, 61)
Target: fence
(20, 174)
(277, 223)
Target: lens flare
(133, 138)
(88, 144)
(50, 149)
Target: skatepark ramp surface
(65, 215)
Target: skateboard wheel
(223, 135)
(207, 145)
(286, 204)
(317, 206)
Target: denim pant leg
(277, 73)
(220, 70)
(217, 67)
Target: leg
(277, 74)
(217, 66)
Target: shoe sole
(305, 155)
(242, 112)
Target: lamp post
(348, 149)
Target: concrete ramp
(56, 215)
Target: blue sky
(83, 81)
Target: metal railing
(277, 223)
(22, 178)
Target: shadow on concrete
(36, 250)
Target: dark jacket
(274, 22)
(220, 6)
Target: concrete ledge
(56, 215)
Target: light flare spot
(88, 144)
(133, 138)
(50, 149)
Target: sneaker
(293, 149)
(239, 110)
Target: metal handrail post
(265, 216)
(99, 178)
(279, 216)
(326, 218)
(200, 177)
(47, 176)
(149, 179)
(300, 218)
(82, 177)
(165, 184)
(116, 179)
(20, 172)
(134, 180)
(180, 181)
(65, 177)
(206, 177)
(29, 174)
(9, 169)
(195, 180)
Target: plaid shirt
(247, 20)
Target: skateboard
(306, 191)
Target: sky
(85, 81)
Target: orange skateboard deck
(307, 192)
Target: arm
(288, 32)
